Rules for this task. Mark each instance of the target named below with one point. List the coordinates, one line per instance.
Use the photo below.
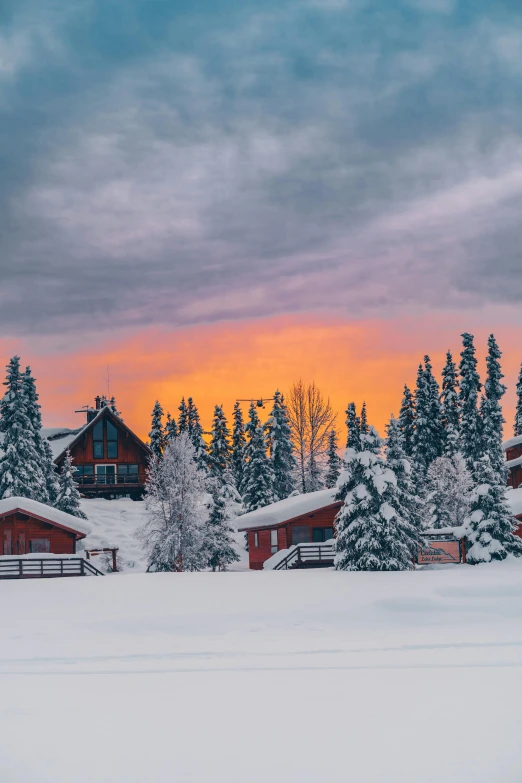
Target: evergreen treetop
(157, 432)
(219, 449)
(171, 428)
(238, 447)
(450, 406)
(183, 423)
(195, 433)
(492, 419)
(407, 421)
(470, 387)
(280, 446)
(363, 425)
(428, 437)
(258, 476)
(334, 463)
(517, 428)
(353, 425)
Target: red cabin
(110, 460)
(513, 451)
(27, 527)
(301, 519)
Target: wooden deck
(45, 568)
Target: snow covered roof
(41, 510)
(60, 438)
(508, 444)
(283, 510)
(514, 499)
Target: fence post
(20, 568)
(82, 567)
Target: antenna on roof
(108, 384)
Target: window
(273, 541)
(300, 534)
(322, 534)
(133, 469)
(112, 441)
(39, 545)
(128, 474)
(97, 449)
(256, 540)
(97, 431)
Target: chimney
(97, 401)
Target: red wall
(515, 474)
(323, 517)
(22, 528)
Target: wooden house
(110, 460)
(30, 527)
(513, 452)
(301, 519)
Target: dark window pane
(88, 470)
(112, 449)
(39, 545)
(133, 469)
(123, 469)
(112, 432)
(98, 449)
(97, 431)
(328, 533)
(317, 534)
(300, 534)
(77, 471)
(100, 470)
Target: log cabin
(110, 460)
(301, 519)
(513, 452)
(30, 527)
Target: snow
(512, 463)
(60, 438)
(60, 518)
(114, 523)
(303, 676)
(291, 507)
(515, 441)
(514, 499)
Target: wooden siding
(515, 474)
(19, 529)
(322, 517)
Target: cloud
(169, 165)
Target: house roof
(515, 441)
(71, 437)
(290, 508)
(46, 514)
(514, 499)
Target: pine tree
(258, 476)
(218, 535)
(195, 432)
(281, 449)
(353, 424)
(46, 486)
(183, 422)
(517, 429)
(428, 437)
(492, 419)
(447, 492)
(408, 502)
(219, 450)
(371, 533)
(407, 418)
(110, 402)
(334, 463)
(238, 447)
(490, 524)
(20, 469)
(174, 533)
(157, 432)
(470, 387)
(364, 429)
(450, 406)
(171, 429)
(68, 498)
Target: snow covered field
(264, 676)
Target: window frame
(273, 542)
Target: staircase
(45, 568)
(307, 556)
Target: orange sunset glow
(364, 360)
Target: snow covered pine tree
(334, 462)
(157, 433)
(20, 468)
(195, 432)
(41, 445)
(68, 498)
(407, 418)
(218, 535)
(371, 533)
(470, 386)
(517, 429)
(176, 496)
(171, 429)
(490, 533)
(447, 493)
(353, 425)
(258, 476)
(409, 503)
(238, 447)
(428, 436)
(450, 406)
(281, 450)
(219, 453)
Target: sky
(217, 197)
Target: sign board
(439, 552)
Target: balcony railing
(109, 480)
